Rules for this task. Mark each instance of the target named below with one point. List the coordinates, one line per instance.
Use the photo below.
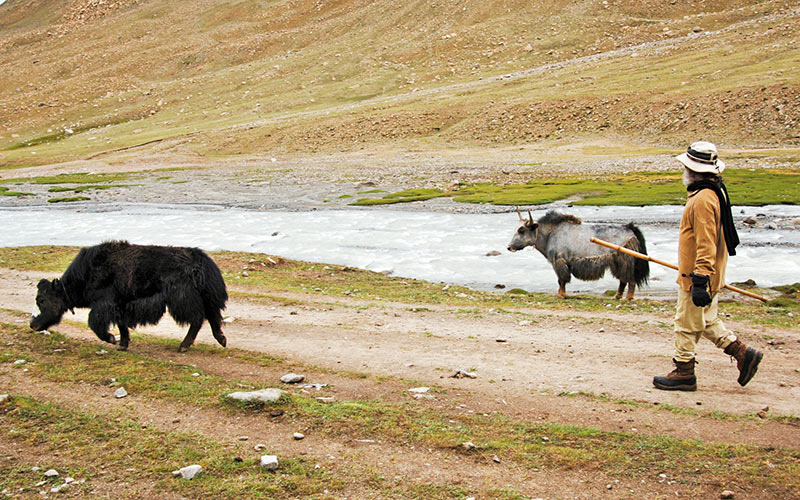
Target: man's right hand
(700, 295)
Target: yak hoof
(223, 341)
(111, 339)
(617, 296)
(183, 348)
(122, 348)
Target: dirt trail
(557, 353)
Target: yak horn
(521, 219)
(530, 217)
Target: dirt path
(557, 353)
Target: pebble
(51, 473)
(298, 436)
(120, 393)
(269, 462)
(727, 494)
(260, 447)
(20, 362)
(263, 395)
(188, 472)
(463, 374)
(292, 378)
(419, 390)
(468, 445)
(244, 438)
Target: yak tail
(209, 282)
(641, 267)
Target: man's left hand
(700, 295)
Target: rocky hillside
(86, 77)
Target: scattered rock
(244, 438)
(525, 322)
(263, 395)
(276, 413)
(260, 447)
(326, 400)
(120, 393)
(51, 473)
(468, 446)
(750, 221)
(188, 472)
(298, 436)
(772, 226)
(727, 494)
(493, 253)
(292, 378)
(464, 374)
(269, 462)
(796, 221)
(499, 286)
(501, 340)
(496, 459)
(3, 398)
(313, 386)
(20, 362)
(419, 390)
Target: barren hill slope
(88, 76)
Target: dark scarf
(728, 229)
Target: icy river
(434, 246)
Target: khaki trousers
(692, 322)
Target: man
(707, 237)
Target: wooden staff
(671, 266)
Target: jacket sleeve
(706, 220)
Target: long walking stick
(671, 266)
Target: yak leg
(562, 272)
(620, 290)
(124, 337)
(190, 336)
(99, 321)
(215, 322)
(631, 288)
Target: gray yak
(564, 240)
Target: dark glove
(700, 295)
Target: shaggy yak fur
(131, 285)
(564, 240)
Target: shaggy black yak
(130, 285)
(564, 240)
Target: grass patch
(5, 192)
(747, 187)
(77, 178)
(69, 199)
(88, 187)
(533, 444)
(405, 196)
(99, 445)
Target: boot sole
(685, 387)
(751, 366)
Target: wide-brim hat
(702, 157)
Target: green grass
(532, 444)
(88, 187)
(76, 178)
(405, 196)
(69, 199)
(746, 187)
(5, 192)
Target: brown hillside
(86, 76)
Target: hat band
(709, 158)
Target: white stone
(419, 390)
(292, 378)
(298, 436)
(51, 473)
(269, 462)
(20, 362)
(263, 395)
(120, 393)
(188, 472)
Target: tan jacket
(701, 245)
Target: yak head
(51, 304)
(526, 234)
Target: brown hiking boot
(680, 379)
(747, 360)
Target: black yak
(564, 240)
(130, 285)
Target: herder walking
(707, 237)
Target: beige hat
(702, 157)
